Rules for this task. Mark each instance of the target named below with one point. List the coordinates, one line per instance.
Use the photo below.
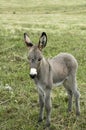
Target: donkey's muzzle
(33, 76)
(33, 73)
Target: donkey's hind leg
(70, 95)
(71, 85)
(77, 95)
(69, 100)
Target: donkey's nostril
(32, 76)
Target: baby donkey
(47, 73)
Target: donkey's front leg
(48, 106)
(41, 103)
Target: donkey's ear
(27, 40)
(42, 41)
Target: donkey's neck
(44, 67)
(43, 71)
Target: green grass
(64, 22)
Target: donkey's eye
(32, 60)
(39, 59)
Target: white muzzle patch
(33, 71)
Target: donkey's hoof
(47, 125)
(69, 111)
(78, 113)
(40, 120)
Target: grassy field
(64, 22)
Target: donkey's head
(35, 55)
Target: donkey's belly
(58, 83)
(58, 78)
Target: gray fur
(61, 69)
